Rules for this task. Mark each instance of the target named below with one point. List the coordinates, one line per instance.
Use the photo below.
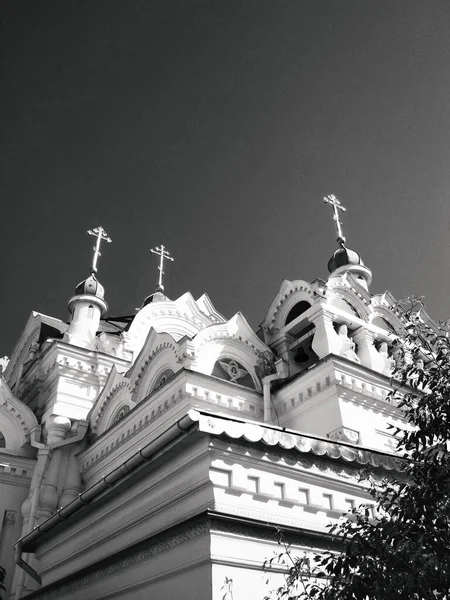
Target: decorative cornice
(112, 565)
(129, 427)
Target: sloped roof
(291, 440)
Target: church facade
(156, 455)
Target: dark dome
(157, 296)
(342, 257)
(90, 286)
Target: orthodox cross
(162, 253)
(337, 206)
(100, 234)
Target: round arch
(298, 309)
(16, 418)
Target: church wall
(15, 480)
(176, 565)
(164, 406)
(370, 420)
(287, 489)
(164, 530)
(237, 560)
(337, 394)
(224, 470)
(162, 494)
(66, 380)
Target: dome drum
(88, 299)
(361, 273)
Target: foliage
(402, 550)
(2, 580)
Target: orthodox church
(156, 455)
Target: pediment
(207, 307)
(158, 347)
(115, 382)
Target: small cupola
(91, 286)
(344, 259)
(88, 305)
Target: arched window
(2, 440)
(90, 311)
(231, 370)
(162, 379)
(297, 310)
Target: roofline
(181, 428)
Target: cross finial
(337, 206)
(163, 253)
(100, 234)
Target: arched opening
(301, 350)
(2, 440)
(297, 310)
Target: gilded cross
(100, 234)
(162, 253)
(337, 206)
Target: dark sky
(215, 128)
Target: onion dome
(346, 260)
(344, 257)
(91, 287)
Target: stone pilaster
(325, 339)
(367, 352)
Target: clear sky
(215, 128)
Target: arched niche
(161, 379)
(298, 309)
(346, 305)
(227, 349)
(120, 413)
(118, 398)
(383, 323)
(231, 370)
(162, 360)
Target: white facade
(155, 455)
